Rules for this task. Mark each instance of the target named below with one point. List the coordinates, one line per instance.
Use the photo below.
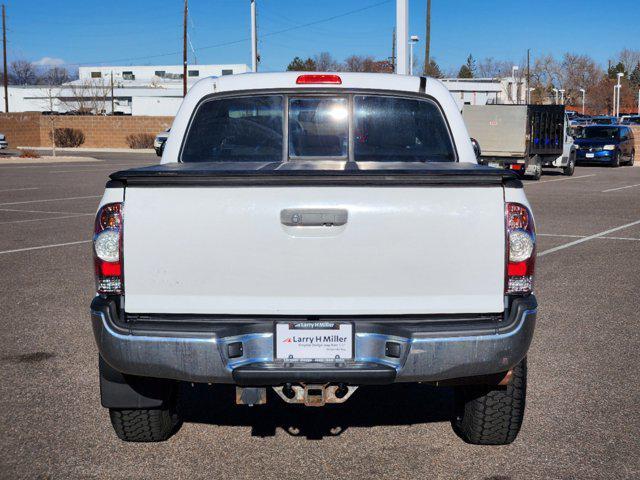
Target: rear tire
(490, 415)
(571, 167)
(144, 425)
(632, 159)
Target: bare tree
(489, 67)
(576, 72)
(326, 63)
(23, 72)
(629, 58)
(55, 76)
(50, 102)
(88, 97)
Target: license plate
(494, 164)
(590, 155)
(305, 341)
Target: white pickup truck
(309, 234)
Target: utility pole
(528, 96)
(112, 101)
(254, 37)
(184, 49)
(402, 36)
(393, 50)
(4, 57)
(427, 47)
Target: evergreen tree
(299, 65)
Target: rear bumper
(425, 350)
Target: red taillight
(520, 249)
(107, 249)
(319, 78)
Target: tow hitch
(315, 395)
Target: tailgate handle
(312, 217)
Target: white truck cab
(313, 233)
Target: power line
(234, 42)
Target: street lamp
(619, 87)
(555, 95)
(531, 89)
(583, 97)
(414, 39)
(561, 96)
(515, 86)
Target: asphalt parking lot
(582, 417)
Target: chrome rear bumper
(425, 355)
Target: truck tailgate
(225, 250)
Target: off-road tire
(491, 415)
(144, 425)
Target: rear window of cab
(275, 128)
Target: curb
(81, 149)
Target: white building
(483, 91)
(157, 90)
(157, 74)
(125, 90)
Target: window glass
(611, 133)
(236, 129)
(96, 74)
(227, 72)
(194, 73)
(318, 127)
(400, 129)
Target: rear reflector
(319, 79)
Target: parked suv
(609, 144)
(309, 234)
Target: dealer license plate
(305, 341)
(590, 155)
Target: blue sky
(142, 31)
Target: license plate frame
(320, 349)
(590, 155)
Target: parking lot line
(620, 188)
(584, 236)
(561, 179)
(18, 189)
(45, 219)
(49, 200)
(586, 239)
(44, 246)
(42, 211)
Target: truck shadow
(400, 404)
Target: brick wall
(32, 129)
(636, 137)
(21, 128)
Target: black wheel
(537, 174)
(632, 159)
(571, 167)
(616, 159)
(144, 425)
(491, 415)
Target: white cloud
(49, 62)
